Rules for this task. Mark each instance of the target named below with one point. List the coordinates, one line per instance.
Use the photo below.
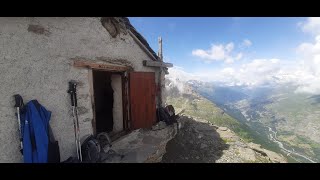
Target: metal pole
(75, 131)
(160, 71)
(20, 133)
(19, 104)
(78, 134)
(72, 90)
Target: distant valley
(275, 113)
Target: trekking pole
(19, 105)
(73, 92)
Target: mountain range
(275, 116)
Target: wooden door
(142, 89)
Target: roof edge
(144, 42)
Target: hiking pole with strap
(73, 92)
(19, 105)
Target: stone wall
(35, 61)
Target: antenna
(160, 49)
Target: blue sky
(270, 37)
(225, 47)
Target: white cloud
(218, 52)
(239, 56)
(229, 47)
(312, 88)
(246, 43)
(309, 80)
(229, 60)
(228, 71)
(257, 72)
(178, 76)
(305, 73)
(309, 49)
(312, 25)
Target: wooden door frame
(123, 71)
(125, 102)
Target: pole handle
(73, 92)
(18, 101)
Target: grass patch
(227, 140)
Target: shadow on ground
(196, 142)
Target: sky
(239, 50)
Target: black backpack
(53, 148)
(90, 150)
(163, 115)
(93, 149)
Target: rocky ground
(141, 145)
(199, 141)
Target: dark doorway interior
(103, 99)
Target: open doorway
(103, 100)
(108, 102)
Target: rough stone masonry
(35, 61)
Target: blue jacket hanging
(35, 124)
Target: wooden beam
(160, 49)
(160, 72)
(156, 64)
(107, 67)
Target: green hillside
(201, 108)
